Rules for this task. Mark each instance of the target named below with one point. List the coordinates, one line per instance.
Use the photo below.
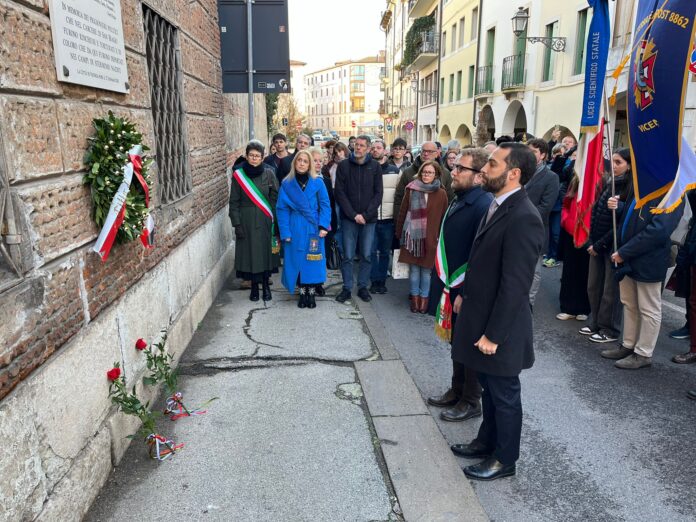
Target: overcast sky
(323, 32)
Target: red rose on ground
(113, 374)
(140, 344)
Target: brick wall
(44, 127)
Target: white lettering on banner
(593, 76)
(88, 43)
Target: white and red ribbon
(161, 448)
(117, 211)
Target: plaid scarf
(416, 223)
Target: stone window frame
(165, 73)
(11, 269)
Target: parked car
(316, 137)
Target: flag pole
(609, 138)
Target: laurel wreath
(106, 157)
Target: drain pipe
(439, 72)
(474, 119)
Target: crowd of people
(476, 227)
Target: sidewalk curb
(426, 477)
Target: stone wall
(67, 316)
(237, 123)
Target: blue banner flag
(595, 65)
(657, 83)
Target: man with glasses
(459, 228)
(398, 151)
(303, 142)
(428, 152)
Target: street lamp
(519, 27)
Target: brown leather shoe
(685, 358)
(423, 307)
(415, 303)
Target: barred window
(164, 67)
(10, 255)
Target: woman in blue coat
(304, 219)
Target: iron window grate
(164, 68)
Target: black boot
(302, 303)
(311, 302)
(254, 295)
(267, 296)
(320, 291)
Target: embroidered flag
(662, 160)
(591, 157)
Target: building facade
(66, 316)
(459, 44)
(346, 97)
(399, 107)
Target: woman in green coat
(253, 197)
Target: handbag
(399, 270)
(333, 255)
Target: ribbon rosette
(177, 409)
(161, 448)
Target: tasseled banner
(443, 317)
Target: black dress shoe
(460, 412)
(473, 450)
(364, 295)
(343, 296)
(691, 394)
(449, 398)
(489, 469)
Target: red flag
(590, 161)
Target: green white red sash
(443, 316)
(258, 199)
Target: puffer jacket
(601, 223)
(390, 178)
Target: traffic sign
(692, 61)
(409, 126)
(285, 122)
(353, 124)
(388, 120)
(389, 128)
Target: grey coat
(542, 191)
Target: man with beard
(456, 239)
(384, 230)
(493, 334)
(429, 151)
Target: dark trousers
(501, 428)
(603, 292)
(691, 307)
(465, 383)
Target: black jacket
(495, 294)
(644, 241)
(326, 176)
(358, 188)
(459, 228)
(542, 191)
(601, 222)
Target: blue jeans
(352, 234)
(381, 248)
(419, 278)
(554, 234)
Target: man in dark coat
(358, 192)
(280, 142)
(428, 152)
(458, 230)
(303, 142)
(493, 334)
(542, 190)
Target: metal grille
(164, 67)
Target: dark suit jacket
(461, 225)
(495, 294)
(543, 190)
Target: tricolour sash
(443, 316)
(258, 199)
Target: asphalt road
(598, 443)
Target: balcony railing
(429, 43)
(513, 72)
(484, 80)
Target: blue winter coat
(301, 215)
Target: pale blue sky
(323, 32)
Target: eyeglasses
(459, 168)
(254, 156)
(428, 173)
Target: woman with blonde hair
(418, 226)
(304, 219)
